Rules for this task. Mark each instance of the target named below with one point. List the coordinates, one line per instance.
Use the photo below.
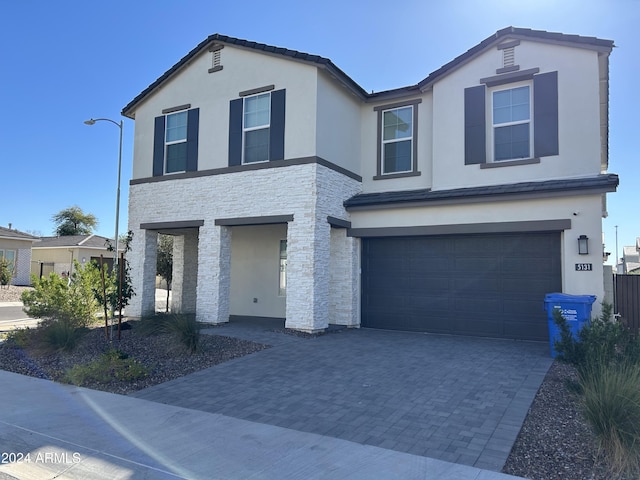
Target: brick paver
(458, 399)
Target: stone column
(214, 274)
(142, 262)
(344, 274)
(308, 249)
(185, 273)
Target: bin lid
(565, 297)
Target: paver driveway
(458, 399)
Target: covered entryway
(486, 284)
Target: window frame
(167, 144)
(12, 266)
(381, 110)
(494, 126)
(245, 129)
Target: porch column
(308, 251)
(214, 274)
(185, 273)
(344, 268)
(142, 261)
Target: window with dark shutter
(175, 142)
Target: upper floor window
(256, 128)
(512, 123)
(521, 123)
(176, 143)
(397, 140)
(175, 140)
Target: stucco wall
(255, 267)
(211, 92)
(578, 112)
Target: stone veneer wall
(309, 192)
(23, 267)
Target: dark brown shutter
(475, 128)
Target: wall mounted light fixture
(583, 245)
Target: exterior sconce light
(583, 245)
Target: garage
(489, 285)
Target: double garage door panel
(486, 285)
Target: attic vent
(216, 53)
(508, 57)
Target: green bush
(20, 337)
(183, 327)
(5, 272)
(602, 341)
(55, 298)
(61, 334)
(110, 366)
(611, 400)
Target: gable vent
(216, 55)
(509, 57)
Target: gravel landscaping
(555, 442)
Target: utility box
(575, 309)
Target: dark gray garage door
(487, 285)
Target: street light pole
(120, 125)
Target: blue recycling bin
(575, 309)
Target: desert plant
(111, 365)
(602, 341)
(611, 401)
(55, 298)
(61, 334)
(5, 272)
(183, 327)
(20, 337)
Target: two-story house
(453, 205)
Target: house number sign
(584, 267)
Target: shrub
(611, 400)
(20, 337)
(5, 272)
(182, 326)
(602, 341)
(60, 334)
(112, 365)
(55, 298)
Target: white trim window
(256, 123)
(176, 143)
(512, 123)
(397, 140)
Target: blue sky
(64, 62)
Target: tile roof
(602, 183)
(15, 234)
(327, 64)
(86, 241)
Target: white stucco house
(452, 206)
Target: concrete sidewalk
(48, 430)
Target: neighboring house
(56, 254)
(452, 206)
(15, 247)
(631, 258)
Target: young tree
(164, 261)
(73, 221)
